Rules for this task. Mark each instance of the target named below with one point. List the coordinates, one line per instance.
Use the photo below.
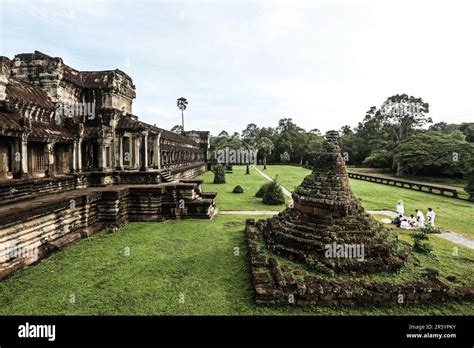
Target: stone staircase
(166, 176)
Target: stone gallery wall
(34, 229)
(12, 191)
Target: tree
(470, 178)
(285, 157)
(223, 134)
(468, 131)
(266, 146)
(182, 104)
(249, 145)
(177, 129)
(252, 131)
(402, 114)
(380, 158)
(434, 153)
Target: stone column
(120, 153)
(4, 149)
(16, 158)
(137, 153)
(101, 156)
(144, 152)
(79, 155)
(24, 155)
(74, 157)
(49, 156)
(158, 151)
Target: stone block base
(278, 281)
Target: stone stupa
(320, 249)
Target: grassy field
(452, 214)
(175, 268)
(226, 200)
(190, 267)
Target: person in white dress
(400, 208)
(431, 216)
(420, 218)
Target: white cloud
(324, 63)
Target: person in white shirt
(431, 216)
(400, 208)
(420, 218)
(405, 224)
(412, 221)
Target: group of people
(416, 220)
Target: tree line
(398, 136)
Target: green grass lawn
(452, 214)
(194, 259)
(226, 200)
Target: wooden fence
(412, 185)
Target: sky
(322, 63)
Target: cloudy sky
(322, 63)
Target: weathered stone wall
(29, 235)
(189, 172)
(30, 231)
(18, 190)
(276, 283)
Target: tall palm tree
(266, 146)
(182, 104)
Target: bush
(427, 228)
(422, 247)
(219, 174)
(419, 246)
(273, 194)
(238, 189)
(261, 191)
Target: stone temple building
(75, 159)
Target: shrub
(238, 189)
(273, 194)
(261, 191)
(219, 174)
(419, 246)
(427, 228)
(422, 247)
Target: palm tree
(266, 146)
(182, 104)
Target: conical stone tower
(328, 227)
